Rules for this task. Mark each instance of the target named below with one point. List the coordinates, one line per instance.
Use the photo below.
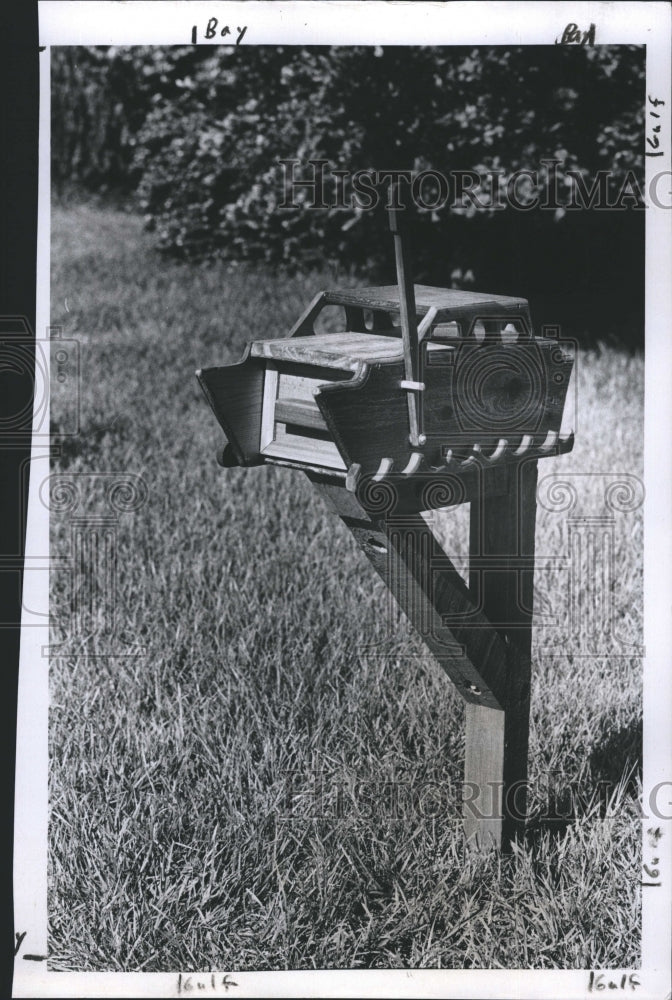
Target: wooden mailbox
(426, 398)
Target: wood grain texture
(558, 367)
(483, 789)
(300, 382)
(235, 393)
(290, 443)
(475, 395)
(431, 593)
(450, 303)
(330, 350)
(271, 379)
(501, 581)
(299, 412)
(369, 420)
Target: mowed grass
(274, 782)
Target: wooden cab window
(504, 331)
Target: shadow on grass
(613, 772)
(619, 754)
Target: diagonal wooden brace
(480, 634)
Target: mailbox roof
(451, 303)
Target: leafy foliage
(200, 133)
(211, 170)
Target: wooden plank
(368, 417)
(300, 413)
(501, 552)
(330, 350)
(558, 366)
(235, 393)
(449, 302)
(501, 578)
(474, 395)
(338, 475)
(268, 408)
(303, 448)
(431, 593)
(296, 384)
(369, 420)
(482, 795)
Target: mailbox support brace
(481, 634)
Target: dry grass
(174, 841)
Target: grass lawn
(274, 781)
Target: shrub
(210, 162)
(199, 134)
(100, 98)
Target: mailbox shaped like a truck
(423, 398)
(488, 389)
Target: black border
(19, 111)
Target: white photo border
(302, 22)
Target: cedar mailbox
(425, 398)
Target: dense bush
(100, 98)
(211, 175)
(199, 133)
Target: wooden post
(480, 635)
(501, 574)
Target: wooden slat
(330, 350)
(300, 386)
(483, 789)
(369, 420)
(299, 412)
(312, 451)
(338, 476)
(268, 408)
(235, 393)
(450, 302)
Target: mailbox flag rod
(409, 328)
